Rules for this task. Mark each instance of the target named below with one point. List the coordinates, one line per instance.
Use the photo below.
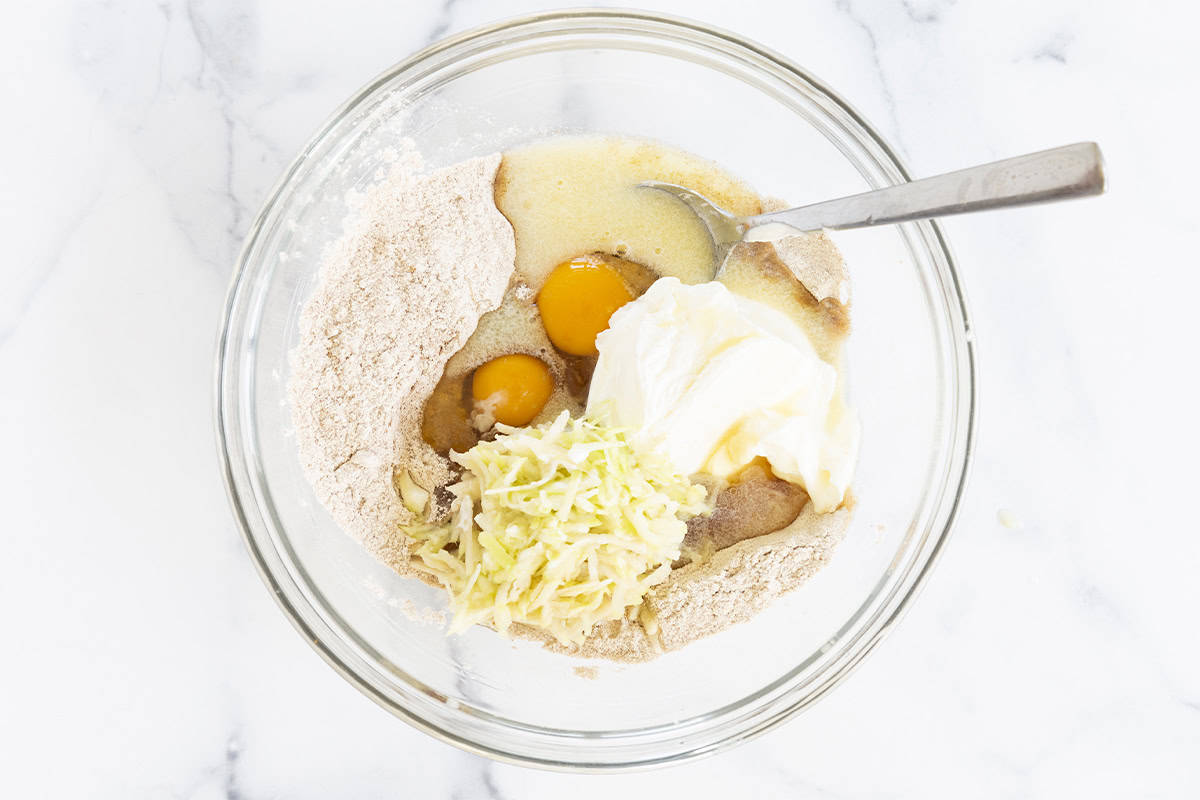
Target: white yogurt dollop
(713, 379)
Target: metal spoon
(1076, 170)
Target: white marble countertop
(146, 659)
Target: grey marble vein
(926, 13)
(847, 8)
(228, 35)
(1055, 48)
(478, 782)
(46, 268)
(442, 21)
(231, 783)
(227, 46)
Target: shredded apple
(560, 526)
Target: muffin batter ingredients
(399, 294)
(715, 380)
(389, 379)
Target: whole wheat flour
(421, 260)
(399, 293)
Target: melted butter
(754, 270)
(571, 196)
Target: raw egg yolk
(576, 302)
(512, 389)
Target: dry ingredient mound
(421, 259)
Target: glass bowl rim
(960, 448)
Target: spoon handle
(1076, 170)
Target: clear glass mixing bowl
(911, 378)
